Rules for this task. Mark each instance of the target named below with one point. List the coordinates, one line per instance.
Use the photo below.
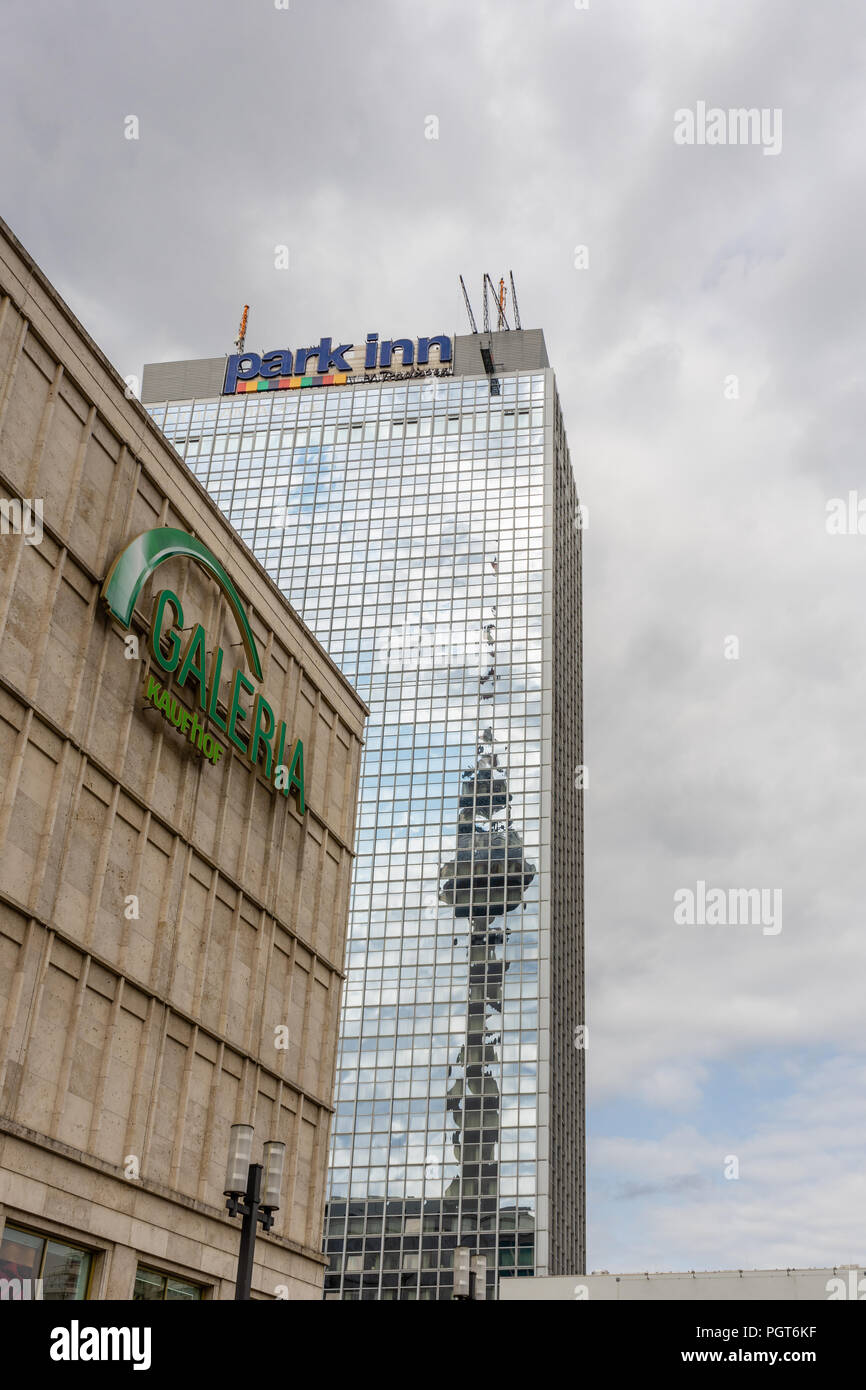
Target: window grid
(401, 522)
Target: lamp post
(252, 1191)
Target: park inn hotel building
(416, 505)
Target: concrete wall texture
(132, 1043)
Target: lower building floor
(72, 1228)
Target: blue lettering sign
(328, 361)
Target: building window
(150, 1285)
(63, 1269)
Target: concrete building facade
(172, 920)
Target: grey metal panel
(182, 381)
(521, 350)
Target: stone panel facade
(161, 919)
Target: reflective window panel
(428, 534)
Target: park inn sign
(185, 663)
(335, 366)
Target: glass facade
(406, 523)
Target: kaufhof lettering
(187, 721)
(248, 371)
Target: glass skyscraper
(426, 528)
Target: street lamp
(252, 1191)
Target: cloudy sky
(708, 347)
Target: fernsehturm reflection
(487, 878)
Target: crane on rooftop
(500, 299)
(468, 306)
(242, 331)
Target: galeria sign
(265, 742)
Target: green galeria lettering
(266, 733)
(281, 743)
(216, 667)
(236, 711)
(260, 736)
(193, 663)
(296, 775)
(165, 600)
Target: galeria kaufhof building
(179, 764)
(426, 528)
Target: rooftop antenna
(468, 306)
(498, 300)
(514, 300)
(242, 331)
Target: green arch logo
(137, 562)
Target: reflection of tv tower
(486, 879)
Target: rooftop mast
(242, 331)
(514, 300)
(468, 306)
